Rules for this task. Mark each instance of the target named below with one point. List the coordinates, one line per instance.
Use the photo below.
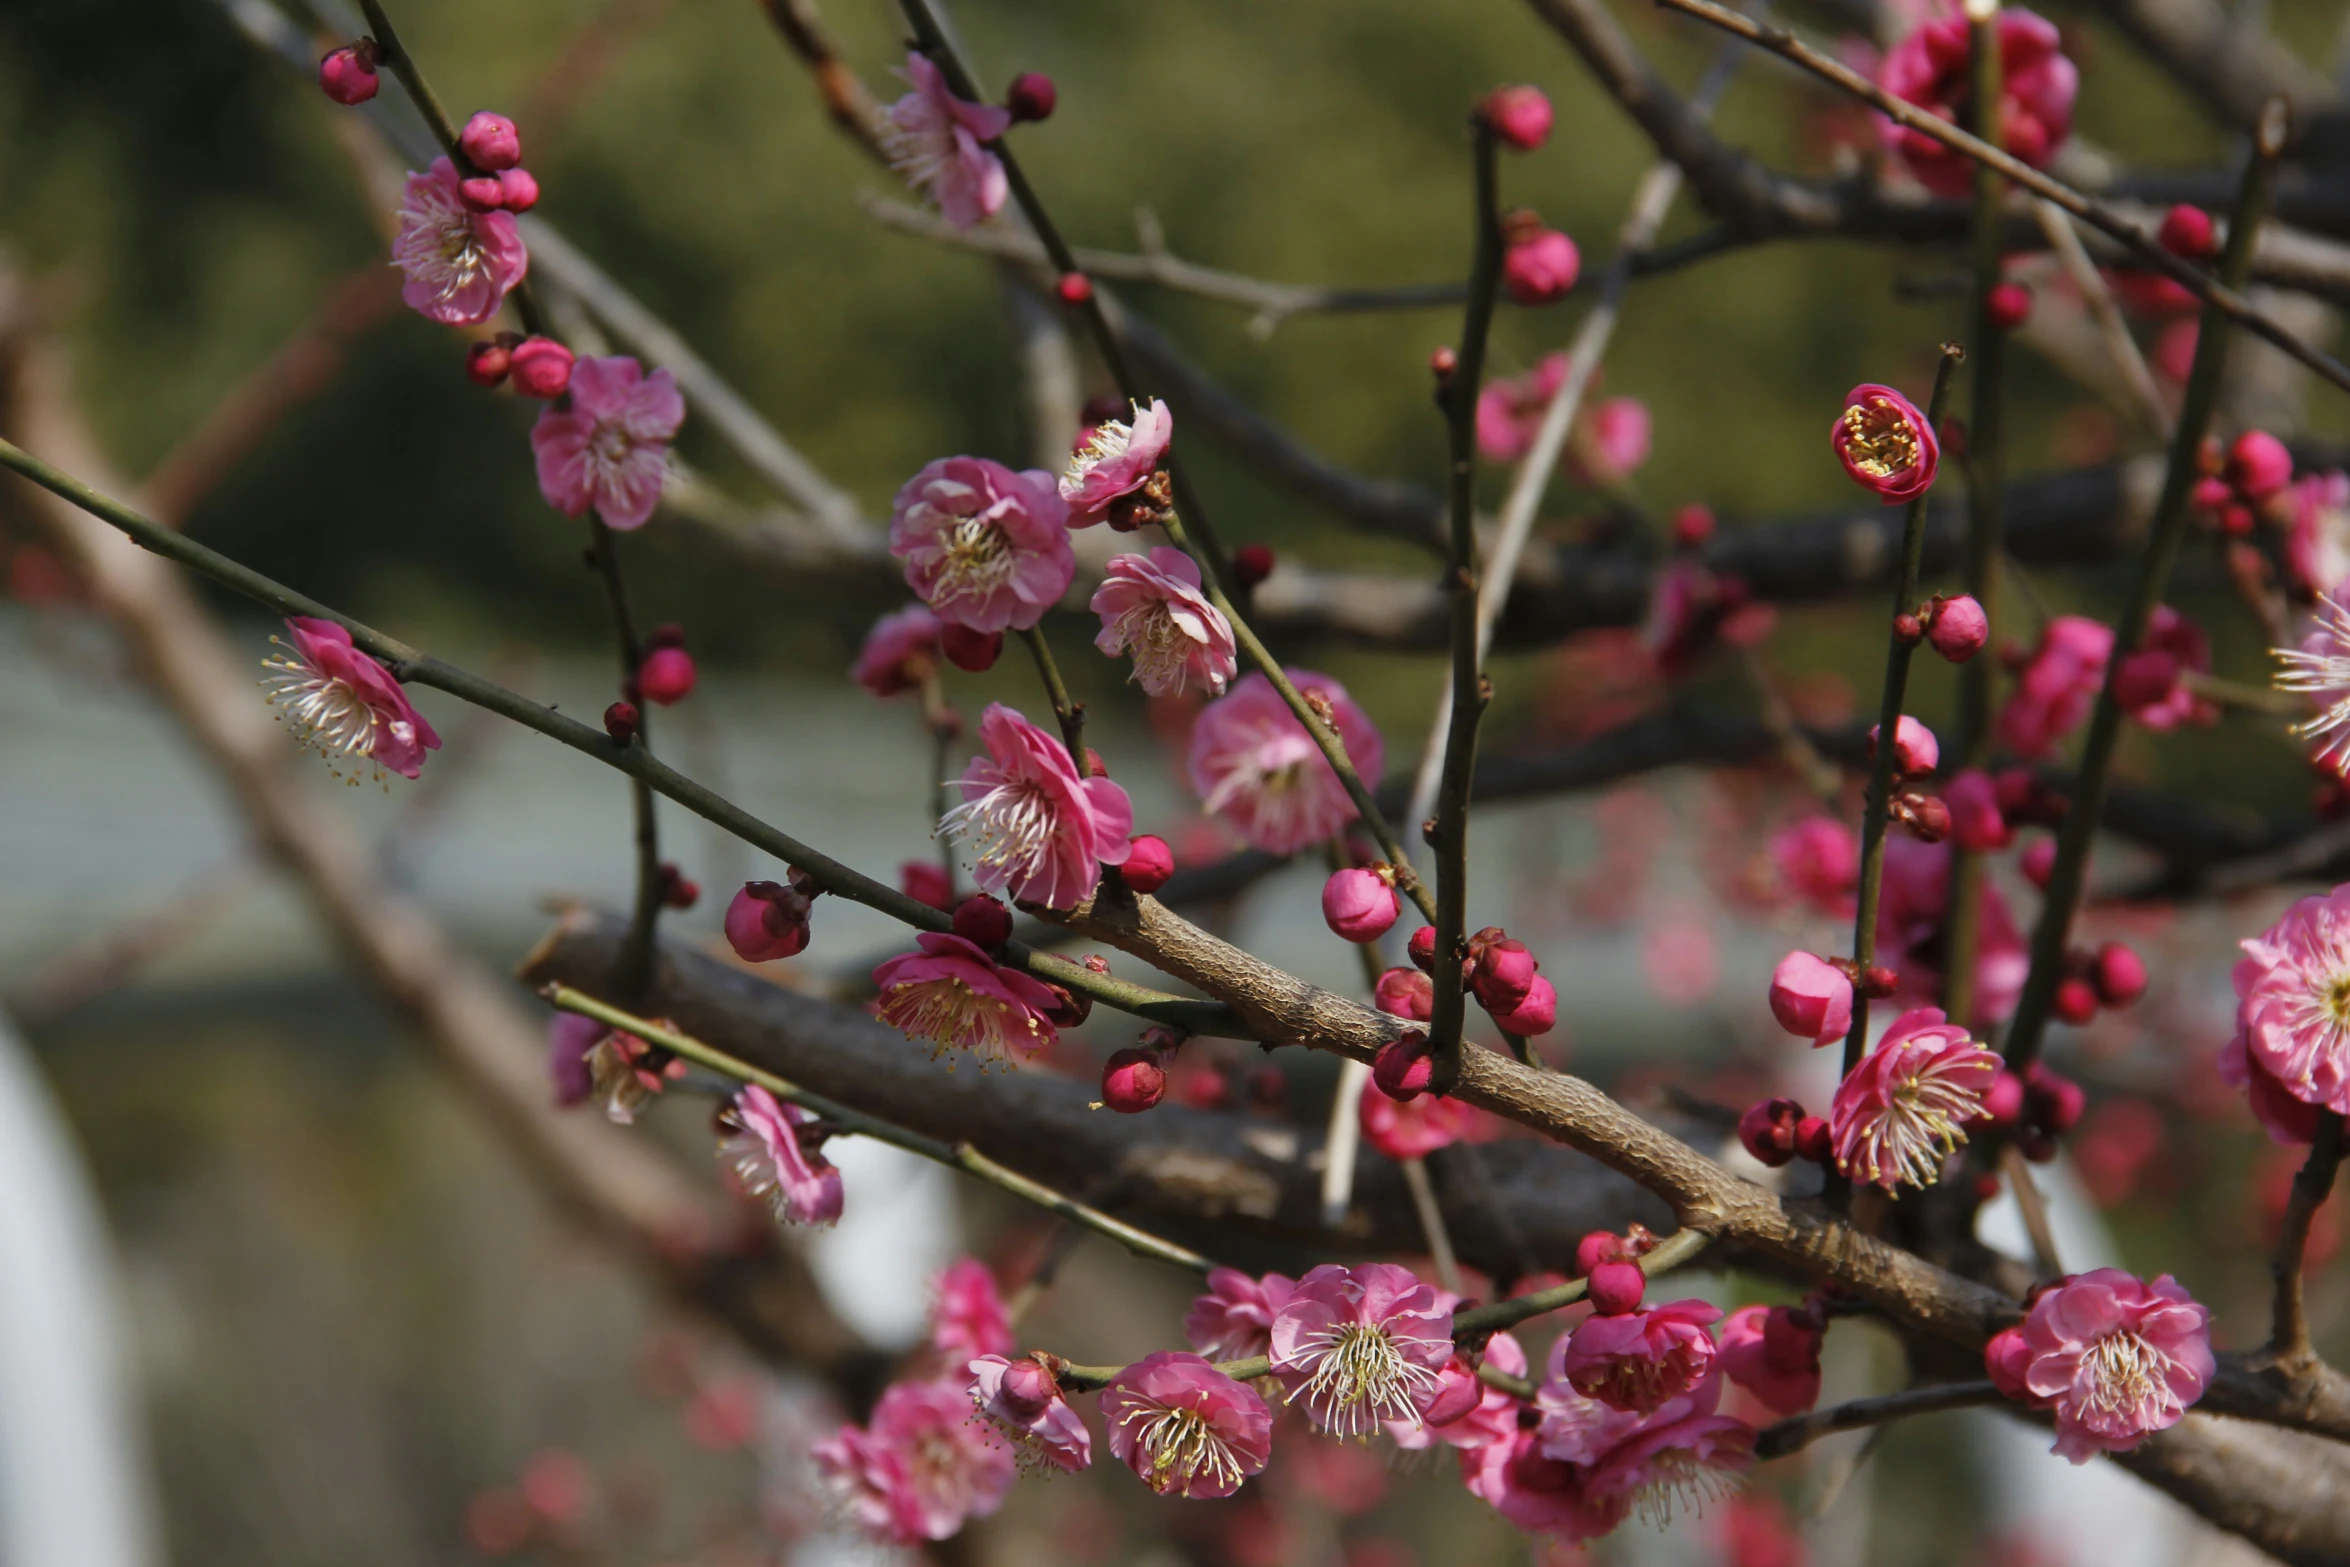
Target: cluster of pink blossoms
(1929, 68)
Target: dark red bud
(1403, 1066)
(1768, 1130)
(982, 921)
(1032, 97)
(975, 651)
(1421, 948)
(1251, 564)
(488, 361)
(621, 720)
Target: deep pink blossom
(1186, 1428)
(1929, 68)
(1253, 763)
(1540, 265)
(1904, 1109)
(1672, 1465)
(343, 704)
(764, 1145)
(1023, 1402)
(1818, 858)
(1886, 443)
(1640, 1359)
(1774, 1353)
(1358, 904)
(967, 1317)
(2114, 1357)
(899, 652)
(1037, 832)
(1811, 998)
(1152, 610)
(1579, 1429)
(1354, 1346)
(936, 141)
(1611, 441)
(1975, 820)
(459, 263)
(2285, 1118)
(1540, 1494)
(921, 1468)
(1492, 1418)
(1413, 1129)
(569, 1039)
(1114, 461)
(2056, 687)
(1915, 750)
(2293, 1000)
(1510, 409)
(2317, 548)
(986, 548)
(2149, 686)
(1520, 116)
(1234, 1319)
(610, 448)
(952, 995)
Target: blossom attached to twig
(2320, 670)
(1037, 832)
(985, 547)
(343, 704)
(1637, 1361)
(1774, 1353)
(459, 263)
(1930, 68)
(937, 142)
(1022, 1401)
(1253, 763)
(607, 444)
(1115, 474)
(2115, 1358)
(776, 1156)
(1152, 610)
(1355, 1346)
(1234, 1319)
(967, 1316)
(1905, 1108)
(2293, 1001)
(1886, 443)
(899, 652)
(953, 996)
(1186, 1428)
(921, 1468)
(1510, 409)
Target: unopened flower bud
(982, 921)
(1421, 948)
(1767, 1130)
(1149, 863)
(667, 675)
(482, 193)
(2146, 678)
(1026, 1389)
(488, 361)
(1403, 1066)
(1908, 629)
(765, 921)
(490, 142)
(1405, 992)
(1541, 266)
(1444, 362)
(542, 367)
(1599, 1247)
(1960, 628)
(621, 721)
(2052, 1103)
(1520, 116)
(1915, 751)
(975, 651)
(1133, 1081)
(1359, 905)
(926, 881)
(2119, 974)
(517, 190)
(2008, 305)
(2003, 1101)
(1877, 982)
(2038, 861)
(677, 890)
(1814, 1142)
(1693, 526)
(2259, 464)
(1504, 975)
(1458, 1391)
(1811, 998)
(1926, 818)
(2075, 1001)
(1032, 97)
(1075, 288)
(348, 74)
(2212, 494)
(2188, 232)
(1251, 564)
(1616, 1288)
(1537, 1014)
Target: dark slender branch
(1070, 714)
(636, 954)
(1796, 1434)
(2288, 1338)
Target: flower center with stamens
(949, 1013)
(1109, 440)
(1678, 1479)
(976, 559)
(1159, 647)
(1179, 1443)
(1920, 1126)
(328, 714)
(1361, 1379)
(1010, 827)
(1879, 440)
(2124, 1372)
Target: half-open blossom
(1359, 904)
(459, 263)
(1415, 1128)
(2150, 684)
(952, 995)
(1355, 1346)
(986, 548)
(1186, 1428)
(1253, 763)
(2056, 687)
(920, 1468)
(1611, 441)
(1904, 1109)
(610, 447)
(763, 1143)
(767, 920)
(1116, 460)
(1774, 1353)
(343, 704)
(2320, 670)
(625, 1072)
(1510, 409)
(899, 652)
(1811, 998)
(1637, 1360)
(1153, 611)
(1234, 1319)
(967, 1316)
(2114, 1357)
(1929, 68)
(1539, 265)
(936, 141)
(1036, 831)
(2293, 1000)
(1885, 443)
(2317, 544)
(1022, 1400)
(1818, 858)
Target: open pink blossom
(1023, 1402)
(1929, 68)
(1540, 1494)
(1234, 1319)
(2114, 1357)
(1637, 1360)
(899, 652)
(459, 263)
(920, 1468)
(1673, 1465)
(2150, 684)
(1186, 1428)
(1611, 441)
(986, 548)
(1116, 460)
(2056, 687)
(1510, 409)
(610, 448)
(343, 704)
(1905, 1108)
(2319, 669)
(2285, 1118)
(1818, 859)
(2293, 1000)
(1253, 763)
(1886, 443)
(1492, 1418)
(952, 995)
(1579, 1429)
(1355, 1346)
(937, 142)
(2317, 546)
(1036, 831)
(967, 1316)
(1152, 609)
(764, 1144)
(1774, 1353)
(1413, 1129)
(1910, 916)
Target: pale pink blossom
(610, 448)
(2317, 549)
(967, 1316)
(1355, 1346)
(1774, 1353)
(2320, 670)
(1023, 1402)
(920, 1468)
(1640, 1359)
(2114, 1357)
(953, 996)
(1115, 460)
(459, 263)
(1929, 68)
(936, 141)
(1413, 1129)
(1186, 1428)
(1152, 610)
(1885, 443)
(1253, 763)
(763, 1144)
(1037, 832)
(899, 652)
(986, 548)
(1911, 912)
(1510, 409)
(1818, 859)
(2056, 687)
(1234, 1319)
(1611, 441)
(1905, 1108)
(343, 704)
(2293, 1000)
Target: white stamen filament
(1181, 1442)
(2124, 1371)
(1158, 645)
(1109, 440)
(1009, 828)
(1914, 1133)
(948, 1013)
(328, 715)
(2325, 676)
(1681, 1480)
(1360, 1379)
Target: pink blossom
(624, 1073)
(1358, 904)
(1152, 609)
(1578, 1429)
(1540, 265)
(1022, 1401)
(899, 652)
(1975, 820)
(1915, 750)
(1115, 460)
(2056, 687)
(343, 704)
(459, 263)
(1905, 1108)
(2259, 465)
(1929, 68)
(1611, 441)
(610, 448)
(1493, 1418)
(952, 995)
(1234, 1319)
(1683, 954)
(2320, 670)
(2116, 1359)
(1910, 916)
(1353, 1347)
(1038, 832)
(1818, 858)
(920, 1469)
(764, 1145)
(2293, 1000)
(2285, 1118)
(569, 1039)
(967, 1315)
(1539, 1493)
(937, 142)
(1253, 763)
(1669, 1465)
(1773, 1353)
(1640, 1359)
(986, 548)
(2148, 684)
(1811, 998)
(2317, 549)
(1885, 443)
(1186, 1428)
(1413, 1129)
(1510, 409)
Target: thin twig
(2288, 1339)
(2145, 397)
(1448, 1267)
(1070, 714)
(2028, 1202)
(1798, 1433)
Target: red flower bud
(1405, 992)
(1032, 96)
(1503, 976)
(1767, 1130)
(1927, 818)
(542, 367)
(482, 193)
(676, 890)
(2188, 232)
(2119, 974)
(1421, 948)
(621, 721)
(1149, 863)
(1359, 905)
(1600, 1247)
(667, 675)
(1813, 1141)
(1540, 266)
(975, 651)
(2075, 1001)
(517, 191)
(490, 142)
(1616, 1288)
(765, 921)
(2052, 1104)
(487, 362)
(1403, 1066)
(1959, 628)
(1251, 564)
(1133, 1081)
(1075, 288)
(1026, 1388)
(1520, 116)
(348, 74)
(982, 921)
(2008, 305)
